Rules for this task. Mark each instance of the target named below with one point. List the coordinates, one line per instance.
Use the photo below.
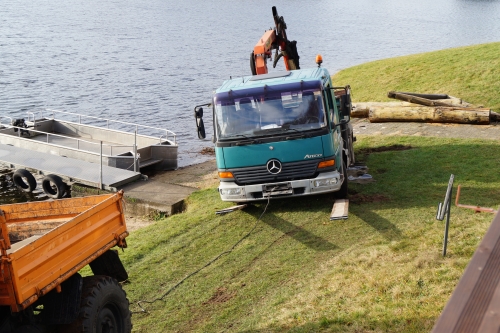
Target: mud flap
(109, 264)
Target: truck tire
(29, 329)
(53, 186)
(24, 180)
(104, 307)
(342, 193)
(63, 307)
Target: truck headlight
(231, 191)
(325, 182)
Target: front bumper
(324, 183)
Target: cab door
(335, 139)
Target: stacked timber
(431, 108)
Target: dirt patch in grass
(396, 147)
(221, 295)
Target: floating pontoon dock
(69, 169)
(92, 139)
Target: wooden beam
(416, 99)
(430, 115)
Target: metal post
(446, 226)
(79, 119)
(47, 137)
(444, 209)
(135, 150)
(100, 171)
(107, 123)
(78, 144)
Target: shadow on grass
(298, 233)
(387, 229)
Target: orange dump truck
(43, 245)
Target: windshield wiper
(249, 140)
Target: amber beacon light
(319, 60)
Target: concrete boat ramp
(69, 169)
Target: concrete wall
(168, 155)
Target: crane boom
(274, 39)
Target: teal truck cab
(281, 134)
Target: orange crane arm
(274, 39)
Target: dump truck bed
(44, 243)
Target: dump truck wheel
(53, 186)
(30, 329)
(24, 180)
(63, 307)
(104, 307)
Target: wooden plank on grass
(230, 209)
(340, 210)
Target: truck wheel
(342, 193)
(104, 307)
(53, 186)
(24, 180)
(29, 329)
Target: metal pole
(135, 150)
(100, 171)
(447, 225)
(78, 144)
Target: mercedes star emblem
(274, 167)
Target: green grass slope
(471, 73)
(379, 271)
(294, 270)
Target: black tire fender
(109, 264)
(24, 180)
(104, 306)
(53, 186)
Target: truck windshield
(254, 116)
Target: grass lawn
(471, 73)
(379, 271)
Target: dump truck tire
(104, 307)
(29, 329)
(24, 180)
(53, 186)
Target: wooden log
(430, 115)
(359, 113)
(416, 100)
(361, 109)
(427, 96)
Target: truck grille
(289, 171)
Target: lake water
(152, 61)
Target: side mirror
(200, 126)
